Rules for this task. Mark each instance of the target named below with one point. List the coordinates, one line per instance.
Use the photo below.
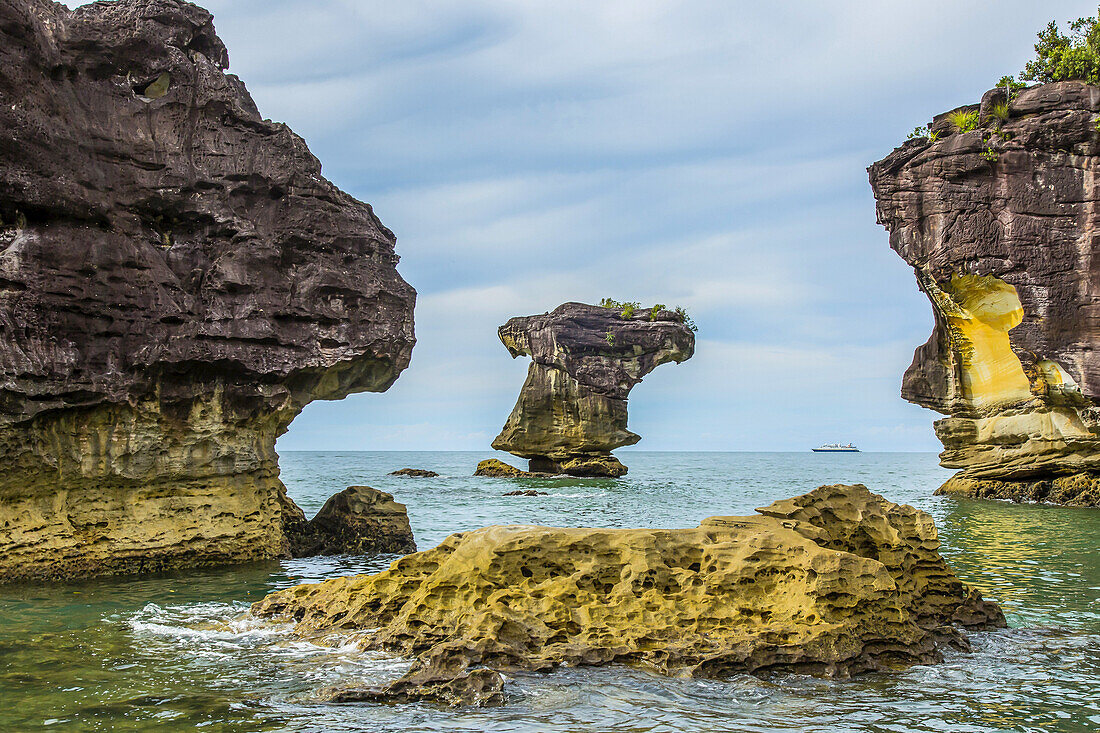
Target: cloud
(695, 152)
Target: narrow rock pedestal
(571, 412)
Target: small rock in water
(356, 521)
(499, 469)
(480, 687)
(414, 473)
(525, 492)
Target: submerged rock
(358, 520)
(414, 473)
(525, 492)
(998, 226)
(481, 687)
(494, 468)
(835, 582)
(571, 411)
(177, 281)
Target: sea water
(179, 651)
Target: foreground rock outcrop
(835, 582)
(1000, 227)
(177, 281)
(359, 520)
(571, 411)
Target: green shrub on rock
(964, 120)
(1061, 57)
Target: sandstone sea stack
(177, 281)
(835, 582)
(571, 411)
(1001, 225)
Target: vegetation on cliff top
(1061, 57)
(627, 308)
(1058, 57)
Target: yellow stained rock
(835, 582)
(987, 309)
(131, 488)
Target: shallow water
(178, 652)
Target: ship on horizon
(836, 448)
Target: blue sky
(709, 154)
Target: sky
(710, 154)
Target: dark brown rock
(1001, 229)
(480, 687)
(358, 520)
(177, 281)
(571, 412)
(414, 473)
(525, 492)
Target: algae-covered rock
(358, 520)
(835, 582)
(571, 412)
(998, 226)
(494, 468)
(177, 281)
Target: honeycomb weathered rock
(835, 582)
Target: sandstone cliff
(1000, 225)
(177, 281)
(571, 411)
(835, 582)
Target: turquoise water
(178, 651)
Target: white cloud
(697, 152)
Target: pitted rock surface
(177, 281)
(572, 409)
(1001, 227)
(835, 582)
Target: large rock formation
(1002, 227)
(571, 411)
(177, 281)
(835, 582)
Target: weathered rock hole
(153, 89)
